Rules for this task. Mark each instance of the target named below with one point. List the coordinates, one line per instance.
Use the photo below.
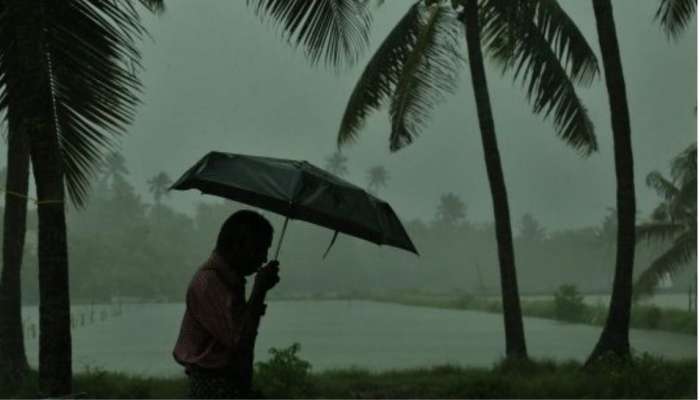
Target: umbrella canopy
(298, 190)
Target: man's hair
(242, 224)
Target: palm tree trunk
(54, 303)
(40, 124)
(615, 336)
(515, 335)
(13, 364)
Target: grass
(643, 316)
(644, 377)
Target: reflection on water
(337, 334)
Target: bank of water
(341, 334)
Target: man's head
(244, 240)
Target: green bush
(568, 304)
(284, 375)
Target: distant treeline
(122, 245)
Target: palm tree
(158, 185)
(418, 63)
(67, 91)
(377, 177)
(451, 210)
(336, 164)
(674, 220)
(673, 15)
(13, 363)
(530, 229)
(113, 166)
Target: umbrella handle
(279, 242)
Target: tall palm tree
(418, 63)
(530, 229)
(673, 15)
(158, 185)
(113, 166)
(13, 363)
(674, 221)
(451, 209)
(336, 164)
(67, 91)
(377, 177)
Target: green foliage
(674, 16)
(568, 304)
(285, 375)
(674, 221)
(642, 377)
(335, 31)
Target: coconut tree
(418, 63)
(113, 167)
(158, 185)
(674, 221)
(530, 229)
(451, 209)
(377, 177)
(67, 91)
(13, 363)
(336, 164)
(674, 16)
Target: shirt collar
(227, 273)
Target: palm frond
(380, 76)
(569, 43)
(684, 167)
(663, 186)
(94, 93)
(558, 29)
(518, 45)
(155, 6)
(430, 71)
(675, 15)
(658, 231)
(679, 255)
(336, 31)
(686, 201)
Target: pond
(340, 334)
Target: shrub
(568, 304)
(284, 375)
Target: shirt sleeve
(219, 311)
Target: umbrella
(298, 190)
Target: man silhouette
(218, 330)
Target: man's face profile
(252, 254)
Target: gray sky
(216, 78)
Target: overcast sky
(217, 78)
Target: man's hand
(267, 277)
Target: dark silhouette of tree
(13, 362)
(334, 32)
(113, 166)
(65, 88)
(530, 229)
(377, 177)
(158, 186)
(336, 164)
(418, 62)
(673, 15)
(451, 210)
(673, 221)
